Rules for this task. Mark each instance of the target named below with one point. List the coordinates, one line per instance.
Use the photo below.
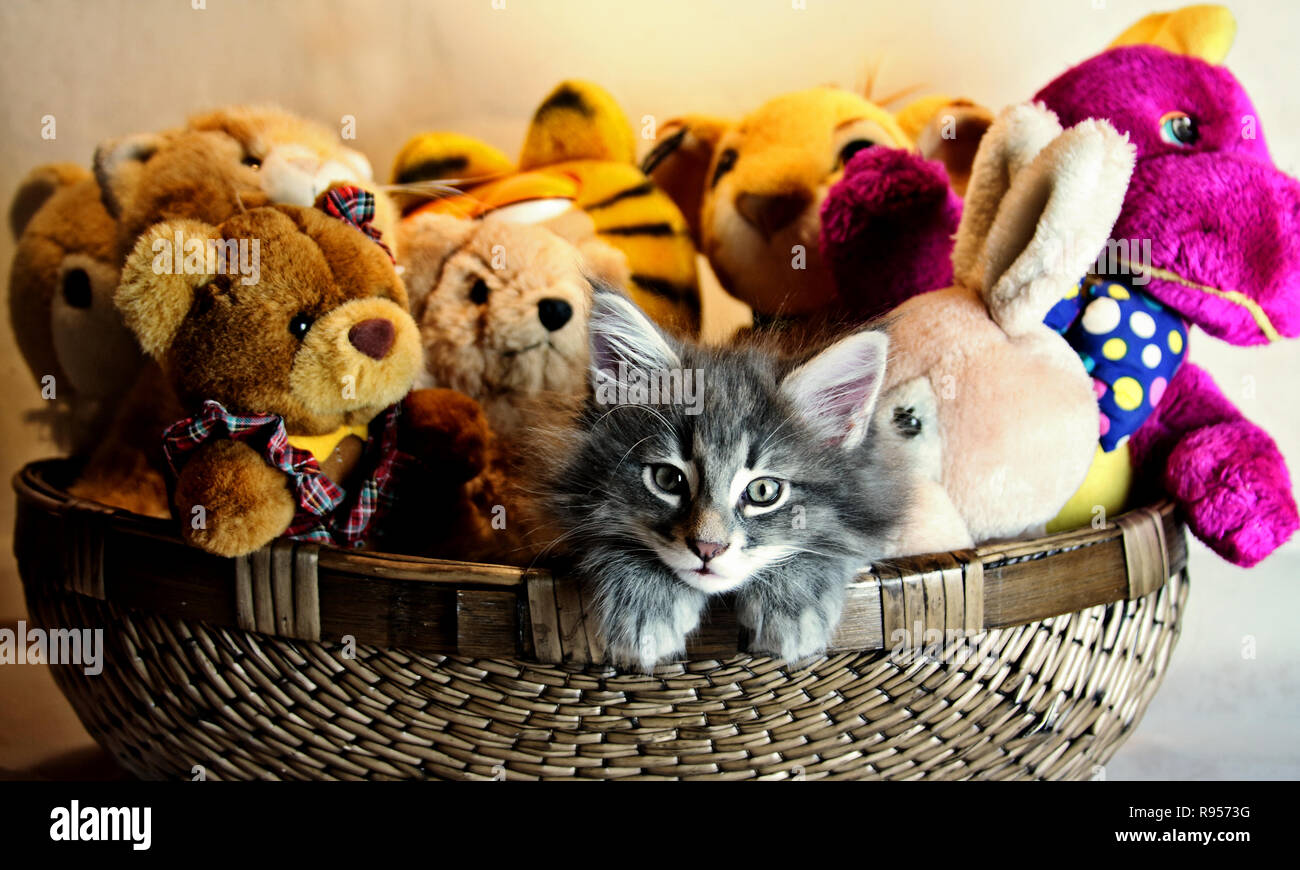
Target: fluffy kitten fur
(778, 481)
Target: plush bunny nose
(373, 337)
(554, 313)
(706, 550)
(769, 213)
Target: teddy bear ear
(36, 189)
(427, 241)
(1205, 31)
(680, 159)
(169, 263)
(118, 164)
(1053, 223)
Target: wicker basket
(308, 662)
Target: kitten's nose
(373, 337)
(706, 550)
(554, 313)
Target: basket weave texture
(1050, 699)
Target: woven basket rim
(312, 592)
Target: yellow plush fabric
(580, 147)
(1204, 30)
(1110, 477)
(321, 446)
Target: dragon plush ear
(680, 160)
(1204, 30)
(578, 121)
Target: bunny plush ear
(1053, 222)
(159, 280)
(1010, 144)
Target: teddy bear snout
(554, 313)
(374, 337)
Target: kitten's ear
(836, 390)
(620, 333)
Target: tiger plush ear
(578, 121)
(159, 280)
(1205, 31)
(680, 160)
(949, 130)
(440, 156)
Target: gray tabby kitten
(767, 481)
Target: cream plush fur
(1008, 418)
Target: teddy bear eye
(300, 325)
(478, 294)
(726, 163)
(906, 422)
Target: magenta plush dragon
(1223, 228)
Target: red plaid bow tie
(357, 207)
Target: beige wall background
(113, 67)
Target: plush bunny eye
(853, 147)
(1178, 128)
(726, 163)
(478, 294)
(300, 325)
(906, 422)
(763, 491)
(665, 479)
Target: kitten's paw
(644, 638)
(794, 636)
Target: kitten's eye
(252, 162)
(1178, 128)
(906, 422)
(300, 325)
(763, 491)
(668, 479)
(478, 294)
(853, 147)
(726, 163)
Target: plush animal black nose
(554, 313)
(373, 337)
(706, 550)
(769, 213)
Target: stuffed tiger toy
(576, 175)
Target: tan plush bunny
(997, 407)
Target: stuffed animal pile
(239, 330)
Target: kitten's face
(750, 464)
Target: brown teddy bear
(290, 367)
(219, 163)
(61, 285)
(502, 309)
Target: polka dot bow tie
(1129, 343)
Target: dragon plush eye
(300, 325)
(853, 147)
(668, 479)
(726, 163)
(763, 491)
(1178, 128)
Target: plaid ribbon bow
(326, 514)
(356, 207)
